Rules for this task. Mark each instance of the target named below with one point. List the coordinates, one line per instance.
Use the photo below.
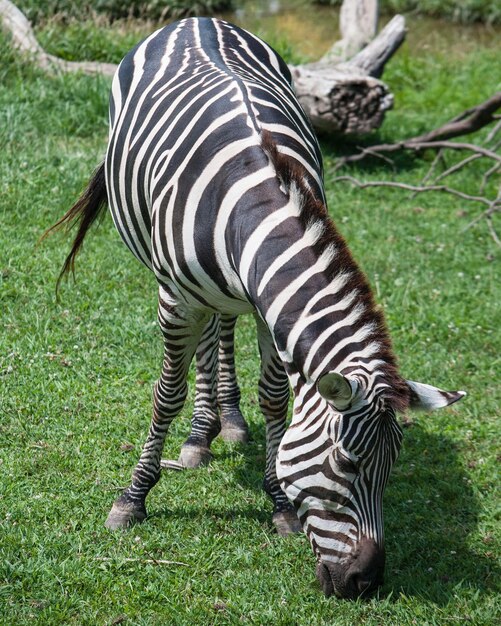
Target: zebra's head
(334, 462)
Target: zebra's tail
(85, 211)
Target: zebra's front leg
(205, 424)
(233, 425)
(274, 401)
(181, 333)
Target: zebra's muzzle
(360, 577)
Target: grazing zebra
(214, 180)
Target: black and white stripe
(214, 180)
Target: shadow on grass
(430, 512)
(221, 513)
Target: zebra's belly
(190, 299)
(193, 287)
(184, 277)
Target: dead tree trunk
(346, 96)
(341, 93)
(24, 40)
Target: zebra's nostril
(360, 585)
(324, 577)
(366, 573)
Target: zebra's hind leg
(205, 424)
(181, 333)
(233, 425)
(273, 401)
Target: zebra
(214, 179)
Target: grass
(118, 9)
(464, 11)
(76, 377)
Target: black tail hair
(86, 210)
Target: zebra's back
(188, 109)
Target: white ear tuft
(427, 398)
(337, 389)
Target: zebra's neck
(314, 298)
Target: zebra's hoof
(194, 456)
(233, 426)
(123, 516)
(286, 523)
(234, 435)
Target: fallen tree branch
(488, 174)
(374, 56)
(438, 139)
(493, 205)
(453, 145)
(457, 166)
(348, 98)
(417, 189)
(467, 122)
(24, 40)
(339, 96)
(416, 146)
(488, 213)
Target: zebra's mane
(294, 176)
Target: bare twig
(414, 188)
(438, 157)
(493, 206)
(457, 167)
(494, 131)
(462, 115)
(487, 175)
(375, 153)
(452, 145)
(492, 230)
(468, 122)
(496, 206)
(151, 561)
(417, 146)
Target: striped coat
(214, 180)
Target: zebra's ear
(336, 389)
(427, 398)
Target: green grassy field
(76, 378)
